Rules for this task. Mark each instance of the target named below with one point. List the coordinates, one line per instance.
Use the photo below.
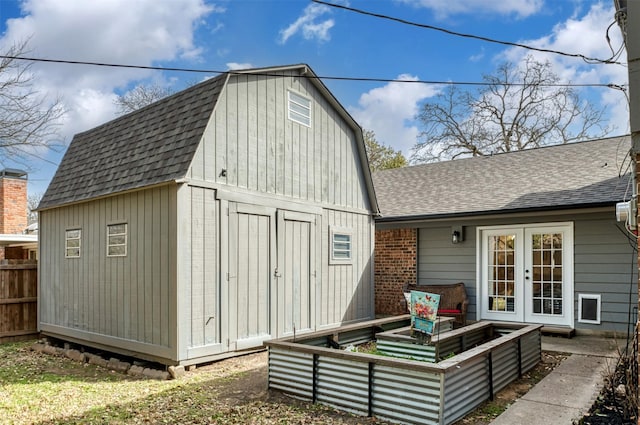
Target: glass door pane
(547, 274)
(501, 276)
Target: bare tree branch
(29, 121)
(505, 117)
(141, 96)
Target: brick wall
(13, 205)
(395, 264)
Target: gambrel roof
(575, 175)
(156, 144)
(152, 145)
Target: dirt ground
(252, 386)
(40, 388)
(491, 409)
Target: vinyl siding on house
(440, 261)
(603, 262)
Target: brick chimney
(13, 201)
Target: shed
(238, 210)
(533, 235)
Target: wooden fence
(18, 301)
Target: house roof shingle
(574, 175)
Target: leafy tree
(140, 96)
(29, 121)
(519, 108)
(382, 157)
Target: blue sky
(231, 34)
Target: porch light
(456, 234)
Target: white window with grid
(341, 246)
(72, 243)
(117, 240)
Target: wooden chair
(453, 299)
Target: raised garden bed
(402, 390)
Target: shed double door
(271, 274)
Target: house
(238, 210)
(533, 235)
(16, 243)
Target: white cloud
(310, 24)
(390, 111)
(585, 34)
(234, 66)
(478, 56)
(446, 8)
(117, 31)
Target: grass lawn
(39, 388)
(46, 389)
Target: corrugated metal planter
(397, 389)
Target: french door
(526, 273)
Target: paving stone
(135, 370)
(156, 374)
(38, 346)
(96, 360)
(176, 371)
(49, 349)
(75, 355)
(117, 365)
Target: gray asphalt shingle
(152, 145)
(564, 176)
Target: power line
(325, 77)
(473, 36)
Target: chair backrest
(452, 295)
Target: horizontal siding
(441, 262)
(129, 298)
(260, 149)
(612, 272)
(604, 263)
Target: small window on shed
(299, 109)
(72, 240)
(117, 240)
(341, 246)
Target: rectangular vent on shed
(589, 308)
